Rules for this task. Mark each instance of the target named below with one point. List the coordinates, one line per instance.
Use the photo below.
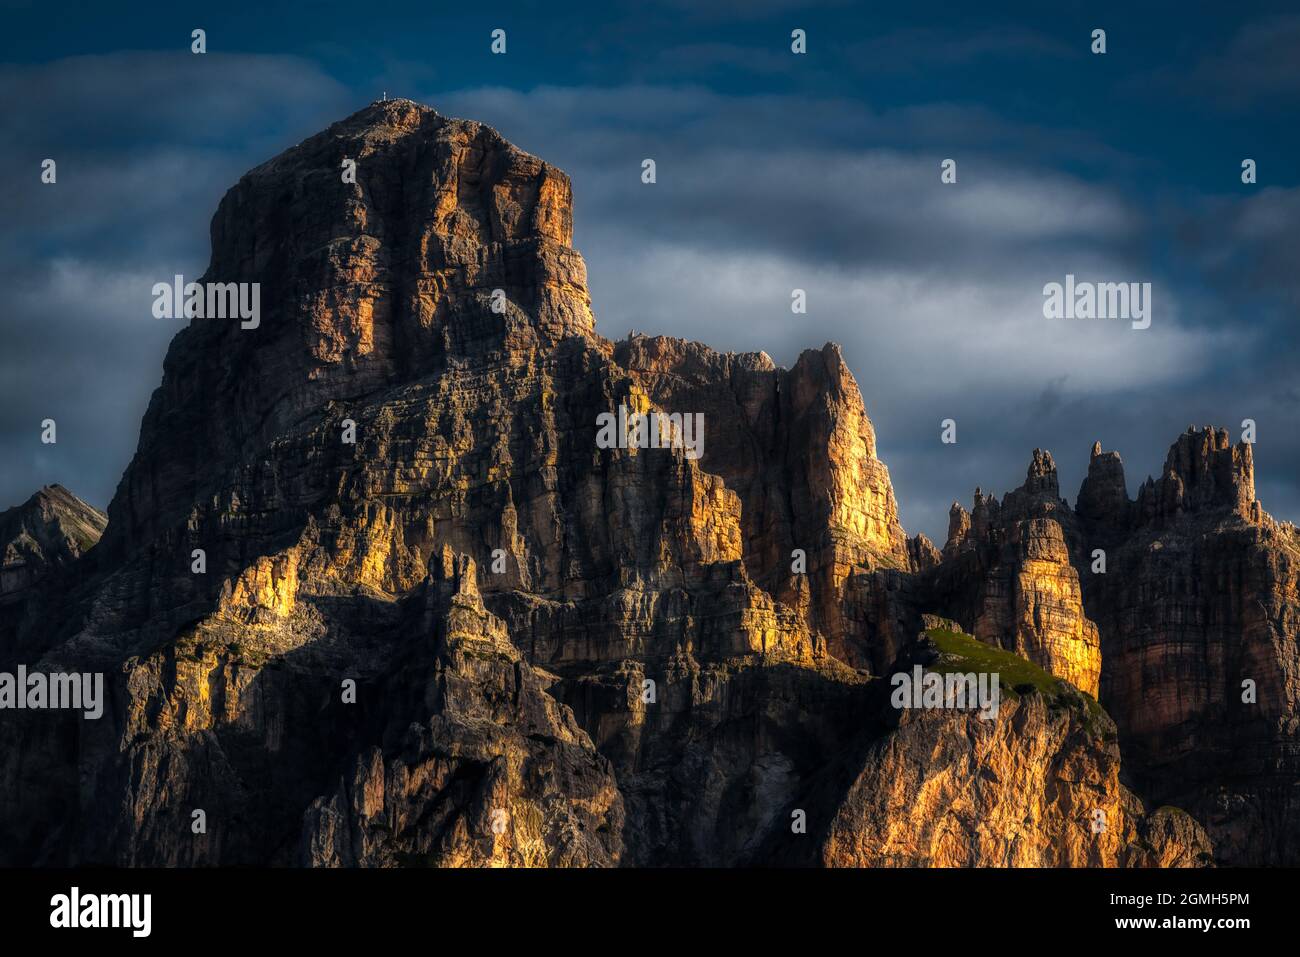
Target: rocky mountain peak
(958, 528)
(1040, 495)
(51, 529)
(1103, 506)
(1203, 471)
(393, 245)
(1042, 472)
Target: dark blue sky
(776, 171)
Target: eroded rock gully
(568, 655)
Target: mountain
(51, 530)
(474, 634)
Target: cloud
(1258, 66)
(146, 143)
(128, 98)
(1247, 242)
(572, 124)
(914, 50)
(1260, 62)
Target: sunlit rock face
(1009, 575)
(476, 636)
(798, 449)
(950, 790)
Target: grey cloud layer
(145, 149)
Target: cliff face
(1199, 612)
(1179, 609)
(954, 791)
(1008, 573)
(476, 635)
(364, 287)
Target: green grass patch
(961, 653)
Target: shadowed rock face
(363, 287)
(1201, 595)
(475, 636)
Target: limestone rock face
(1103, 508)
(797, 447)
(363, 286)
(1009, 577)
(949, 790)
(1186, 629)
(436, 312)
(41, 542)
(1203, 472)
(1201, 597)
(372, 593)
(1034, 784)
(498, 774)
